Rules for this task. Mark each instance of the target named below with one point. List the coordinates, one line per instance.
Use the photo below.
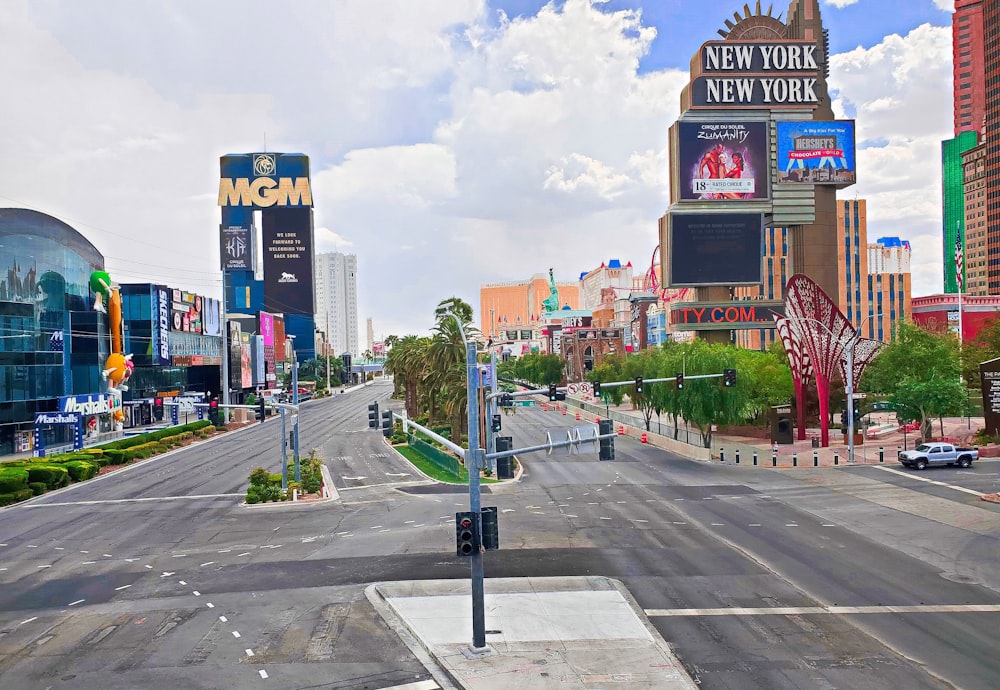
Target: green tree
(919, 374)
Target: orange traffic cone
(621, 430)
(644, 439)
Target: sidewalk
(799, 453)
(570, 633)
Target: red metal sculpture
(824, 334)
(798, 362)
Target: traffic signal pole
(474, 461)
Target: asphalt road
(108, 584)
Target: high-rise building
(968, 63)
(974, 249)
(337, 300)
(953, 203)
(991, 64)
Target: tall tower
(337, 300)
(991, 70)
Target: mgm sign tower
(755, 146)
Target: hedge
(13, 479)
(81, 470)
(16, 497)
(37, 488)
(54, 476)
(143, 439)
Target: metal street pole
(326, 350)
(225, 349)
(284, 453)
(473, 462)
(491, 407)
(295, 417)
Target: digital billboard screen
(715, 249)
(723, 160)
(287, 238)
(236, 248)
(816, 153)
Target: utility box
(782, 426)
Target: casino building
(52, 343)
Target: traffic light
(552, 392)
(373, 416)
(857, 415)
(213, 411)
(387, 423)
(728, 378)
(597, 389)
(680, 380)
(261, 410)
(505, 466)
(607, 445)
(491, 530)
(843, 420)
(495, 426)
(158, 409)
(466, 542)
(638, 384)
(506, 400)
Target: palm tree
(446, 370)
(406, 362)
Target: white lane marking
(606, 518)
(827, 524)
(167, 573)
(118, 589)
(706, 498)
(181, 582)
(508, 510)
(568, 515)
(2, 569)
(837, 610)
(754, 524)
(223, 619)
(384, 530)
(419, 525)
(129, 500)
(150, 567)
(263, 673)
(419, 685)
(678, 499)
(45, 566)
(243, 554)
(196, 593)
(108, 555)
(78, 601)
(28, 620)
(236, 634)
(910, 475)
(791, 524)
(210, 605)
(204, 564)
(680, 523)
(652, 500)
(376, 527)
(131, 560)
(85, 552)
(249, 652)
(225, 550)
(276, 528)
(718, 524)
(60, 548)
(409, 522)
(271, 546)
(179, 555)
(6, 545)
(563, 505)
(642, 521)
(88, 563)
(340, 534)
(32, 546)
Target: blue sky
(448, 148)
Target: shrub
(312, 484)
(253, 495)
(13, 479)
(16, 497)
(113, 457)
(52, 476)
(37, 488)
(292, 486)
(259, 477)
(81, 470)
(274, 479)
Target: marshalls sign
(756, 75)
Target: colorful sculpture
(118, 366)
(100, 283)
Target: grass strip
(435, 472)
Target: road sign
(859, 396)
(524, 403)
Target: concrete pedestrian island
(568, 633)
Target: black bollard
(737, 456)
(881, 454)
(722, 454)
(795, 459)
(836, 459)
(755, 458)
(774, 459)
(815, 458)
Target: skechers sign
(89, 404)
(263, 180)
(162, 342)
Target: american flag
(959, 263)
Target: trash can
(815, 443)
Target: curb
(416, 647)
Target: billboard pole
(225, 347)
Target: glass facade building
(953, 203)
(52, 342)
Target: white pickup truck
(937, 454)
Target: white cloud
(946, 5)
(840, 4)
(896, 90)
